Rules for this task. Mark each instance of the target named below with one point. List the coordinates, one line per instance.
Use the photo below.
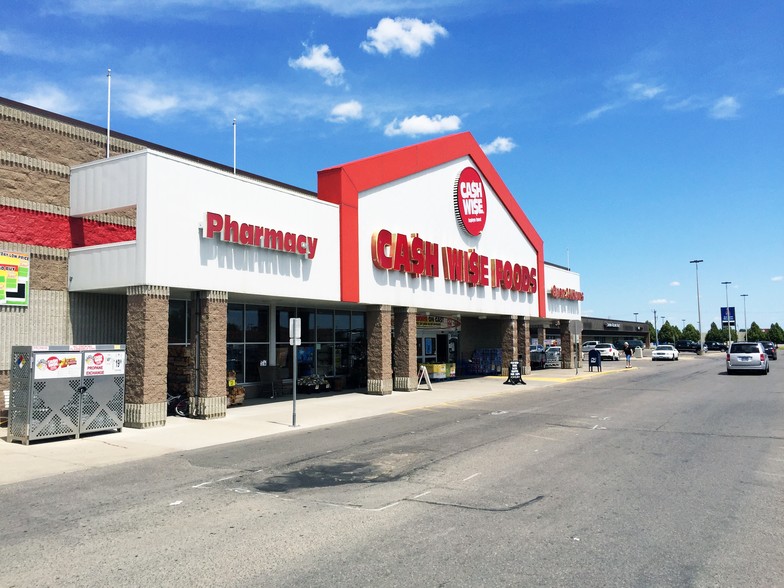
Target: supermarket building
(416, 256)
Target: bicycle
(177, 404)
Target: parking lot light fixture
(745, 322)
(727, 298)
(697, 263)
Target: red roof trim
(342, 185)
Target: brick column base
(524, 343)
(145, 416)
(145, 373)
(567, 351)
(508, 343)
(379, 353)
(405, 350)
(211, 401)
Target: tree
(651, 331)
(668, 333)
(714, 334)
(776, 333)
(755, 333)
(690, 332)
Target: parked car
(687, 345)
(771, 349)
(608, 351)
(538, 356)
(633, 343)
(663, 352)
(715, 346)
(747, 356)
(588, 345)
(553, 355)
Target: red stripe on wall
(18, 225)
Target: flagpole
(235, 145)
(108, 109)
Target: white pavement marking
(471, 476)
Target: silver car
(744, 357)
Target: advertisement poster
(50, 366)
(104, 363)
(14, 278)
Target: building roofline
(142, 143)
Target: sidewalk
(257, 418)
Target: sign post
(295, 339)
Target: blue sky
(637, 135)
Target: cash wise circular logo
(470, 202)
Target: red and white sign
(470, 202)
(104, 363)
(566, 293)
(49, 366)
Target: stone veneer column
(405, 350)
(508, 343)
(567, 351)
(147, 358)
(379, 352)
(211, 401)
(540, 335)
(524, 343)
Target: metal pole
(655, 328)
(294, 391)
(696, 263)
(635, 316)
(235, 145)
(108, 108)
(745, 322)
(727, 298)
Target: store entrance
(438, 342)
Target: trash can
(64, 391)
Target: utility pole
(655, 328)
(696, 263)
(727, 297)
(745, 322)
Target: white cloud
(780, 91)
(351, 110)
(188, 8)
(597, 112)
(319, 59)
(499, 145)
(777, 279)
(675, 283)
(638, 91)
(142, 99)
(47, 97)
(724, 108)
(407, 35)
(423, 125)
(660, 301)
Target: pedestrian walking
(628, 352)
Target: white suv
(744, 357)
(588, 345)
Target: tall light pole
(727, 297)
(745, 322)
(684, 323)
(697, 263)
(655, 328)
(635, 316)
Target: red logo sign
(470, 202)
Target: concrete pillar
(524, 343)
(379, 353)
(567, 351)
(405, 350)
(146, 362)
(211, 400)
(540, 334)
(508, 343)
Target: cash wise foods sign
(418, 257)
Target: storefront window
(247, 335)
(178, 322)
(325, 326)
(234, 322)
(333, 343)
